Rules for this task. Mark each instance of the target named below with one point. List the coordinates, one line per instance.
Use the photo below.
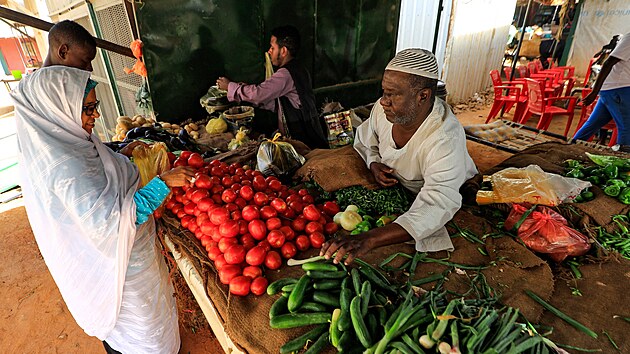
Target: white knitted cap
(415, 61)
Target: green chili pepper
(611, 171)
(624, 177)
(575, 173)
(587, 195)
(578, 199)
(621, 163)
(595, 180)
(624, 195)
(385, 219)
(590, 170)
(573, 163)
(612, 190)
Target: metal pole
(437, 25)
(520, 41)
(45, 26)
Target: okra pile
(385, 201)
(357, 310)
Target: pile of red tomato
(247, 221)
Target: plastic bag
(151, 161)
(278, 158)
(544, 230)
(530, 185)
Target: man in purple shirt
(288, 91)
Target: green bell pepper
(595, 180)
(624, 195)
(587, 195)
(573, 164)
(611, 171)
(590, 170)
(578, 199)
(575, 173)
(363, 226)
(616, 182)
(612, 190)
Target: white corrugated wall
(476, 45)
(416, 26)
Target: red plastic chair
(522, 71)
(515, 96)
(586, 113)
(539, 105)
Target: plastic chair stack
(543, 106)
(506, 95)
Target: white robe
(79, 200)
(433, 164)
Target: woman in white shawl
(88, 216)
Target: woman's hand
(178, 176)
(383, 174)
(128, 149)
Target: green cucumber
(297, 295)
(298, 343)
(344, 282)
(334, 332)
(319, 344)
(356, 280)
(322, 267)
(277, 285)
(345, 297)
(357, 322)
(309, 306)
(288, 288)
(326, 298)
(279, 307)
(293, 320)
(326, 275)
(327, 284)
(372, 325)
(366, 292)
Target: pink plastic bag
(546, 231)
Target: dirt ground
(33, 316)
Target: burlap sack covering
(336, 169)
(217, 141)
(550, 157)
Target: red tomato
(288, 232)
(242, 227)
(330, 208)
(181, 213)
(261, 199)
(239, 286)
(330, 228)
(313, 226)
(227, 242)
(185, 154)
(180, 162)
(237, 179)
(317, 239)
(208, 228)
(279, 205)
(213, 252)
(193, 227)
(302, 242)
(275, 185)
(228, 196)
(199, 234)
(265, 245)
(259, 183)
(219, 215)
(256, 255)
(283, 194)
(216, 198)
(302, 192)
(289, 214)
(299, 224)
(215, 180)
(185, 221)
(197, 212)
(170, 204)
(203, 181)
(217, 189)
(293, 198)
(216, 171)
(228, 272)
(248, 241)
(226, 181)
(231, 207)
(276, 238)
(322, 220)
(250, 213)
(311, 213)
(296, 206)
(259, 286)
(219, 262)
(288, 250)
(204, 204)
(246, 192)
(239, 171)
(252, 271)
(258, 229)
(273, 224)
(189, 208)
(240, 202)
(308, 199)
(273, 260)
(205, 240)
(235, 254)
(212, 243)
(199, 194)
(236, 215)
(195, 160)
(229, 228)
(246, 182)
(268, 212)
(203, 217)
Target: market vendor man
(288, 91)
(411, 138)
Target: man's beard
(408, 117)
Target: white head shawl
(78, 196)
